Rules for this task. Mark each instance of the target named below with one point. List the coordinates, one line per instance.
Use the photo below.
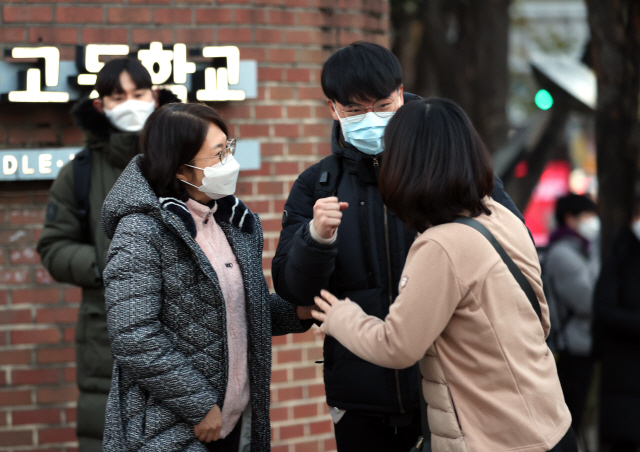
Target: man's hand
(209, 429)
(327, 215)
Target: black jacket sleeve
(301, 266)
(503, 198)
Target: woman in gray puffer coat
(189, 313)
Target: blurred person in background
(72, 245)
(617, 340)
(570, 273)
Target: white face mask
(219, 180)
(635, 227)
(590, 228)
(130, 115)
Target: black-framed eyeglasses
(229, 149)
(383, 108)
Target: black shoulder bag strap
(513, 268)
(82, 182)
(328, 178)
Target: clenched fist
(327, 215)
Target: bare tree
(457, 49)
(615, 51)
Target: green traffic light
(543, 100)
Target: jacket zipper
(386, 236)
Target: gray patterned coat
(167, 320)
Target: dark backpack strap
(328, 178)
(82, 182)
(513, 268)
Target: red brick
(26, 216)
(129, 15)
(45, 336)
(13, 316)
(304, 373)
(297, 112)
(57, 435)
(16, 438)
(146, 2)
(12, 34)
(318, 428)
(314, 353)
(78, 14)
(311, 93)
(270, 188)
(16, 236)
(279, 414)
(56, 35)
(317, 130)
(27, 13)
(287, 130)
(309, 56)
(14, 276)
(24, 256)
(203, 36)
(250, 16)
(206, 16)
(35, 376)
(172, 15)
(254, 53)
(279, 55)
(69, 334)
(147, 35)
(55, 355)
(70, 374)
(57, 315)
(306, 447)
(281, 93)
(47, 416)
(316, 390)
(279, 340)
(233, 35)
(73, 295)
(309, 410)
(270, 74)
(330, 445)
(110, 35)
(279, 376)
(3, 420)
(36, 296)
(300, 148)
(268, 36)
(236, 111)
(32, 136)
(298, 75)
(271, 149)
(254, 130)
(285, 394)
(58, 394)
(291, 431)
(43, 276)
(15, 357)
(281, 17)
(10, 398)
(309, 19)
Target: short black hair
(434, 166)
(362, 70)
(108, 81)
(572, 204)
(171, 137)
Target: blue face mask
(366, 135)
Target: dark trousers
(620, 446)
(359, 432)
(567, 444)
(575, 374)
(229, 444)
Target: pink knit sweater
(214, 243)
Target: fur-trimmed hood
(96, 125)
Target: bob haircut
(360, 71)
(108, 81)
(171, 137)
(435, 166)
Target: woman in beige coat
(489, 378)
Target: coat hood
(96, 125)
(132, 194)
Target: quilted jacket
(166, 319)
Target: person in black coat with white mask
(617, 340)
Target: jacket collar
(229, 210)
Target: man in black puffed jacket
(337, 234)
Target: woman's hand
(209, 429)
(305, 312)
(324, 305)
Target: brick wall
(290, 39)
